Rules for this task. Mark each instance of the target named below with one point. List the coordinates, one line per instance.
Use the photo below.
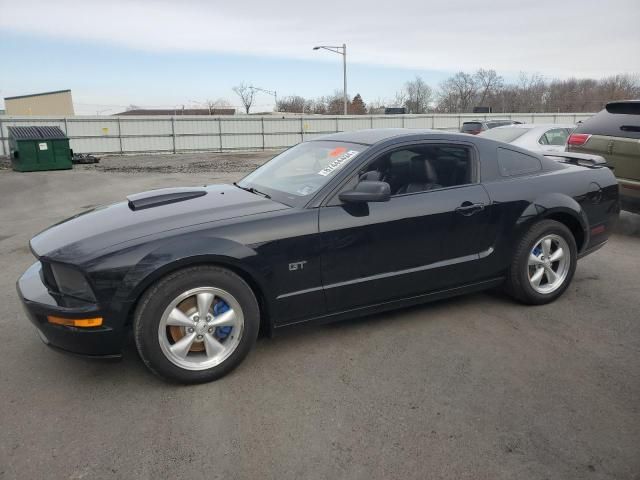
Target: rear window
(512, 163)
(619, 119)
(499, 123)
(471, 126)
(504, 134)
(624, 108)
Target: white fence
(171, 134)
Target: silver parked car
(537, 137)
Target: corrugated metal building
(46, 103)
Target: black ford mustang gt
(346, 225)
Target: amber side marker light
(75, 322)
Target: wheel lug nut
(196, 318)
(190, 330)
(210, 329)
(199, 337)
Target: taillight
(578, 139)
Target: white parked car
(537, 137)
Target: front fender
(169, 255)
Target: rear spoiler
(582, 159)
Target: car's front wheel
(543, 263)
(197, 324)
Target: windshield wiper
(253, 190)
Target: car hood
(145, 214)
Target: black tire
(517, 283)
(156, 299)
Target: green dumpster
(39, 148)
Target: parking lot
(476, 387)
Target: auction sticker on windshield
(338, 163)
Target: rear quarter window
(619, 120)
(512, 163)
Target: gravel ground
(476, 387)
(5, 163)
(182, 163)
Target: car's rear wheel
(197, 324)
(543, 264)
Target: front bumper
(99, 342)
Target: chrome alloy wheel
(189, 331)
(549, 263)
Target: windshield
(297, 173)
(504, 134)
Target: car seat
(423, 176)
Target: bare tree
(376, 106)
(292, 104)
(489, 83)
(213, 105)
(457, 93)
(336, 106)
(619, 87)
(418, 95)
(335, 103)
(318, 106)
(531, 92)
(246, 94)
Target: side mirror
(367, 191)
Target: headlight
(71, 282)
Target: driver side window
(422, 168)
(419, 168)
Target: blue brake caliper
(219, 308)
(537, 251)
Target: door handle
(467, 208)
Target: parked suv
(474, 127)
(614, 133)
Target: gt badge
(296, 266)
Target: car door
(414, 243)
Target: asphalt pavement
(476, 387)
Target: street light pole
(344, 74)
(268, 92)
(340, 51)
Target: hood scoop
(163, 196)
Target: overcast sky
(157, 52)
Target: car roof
(637, 100)
(539, 125)
(375, 135)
